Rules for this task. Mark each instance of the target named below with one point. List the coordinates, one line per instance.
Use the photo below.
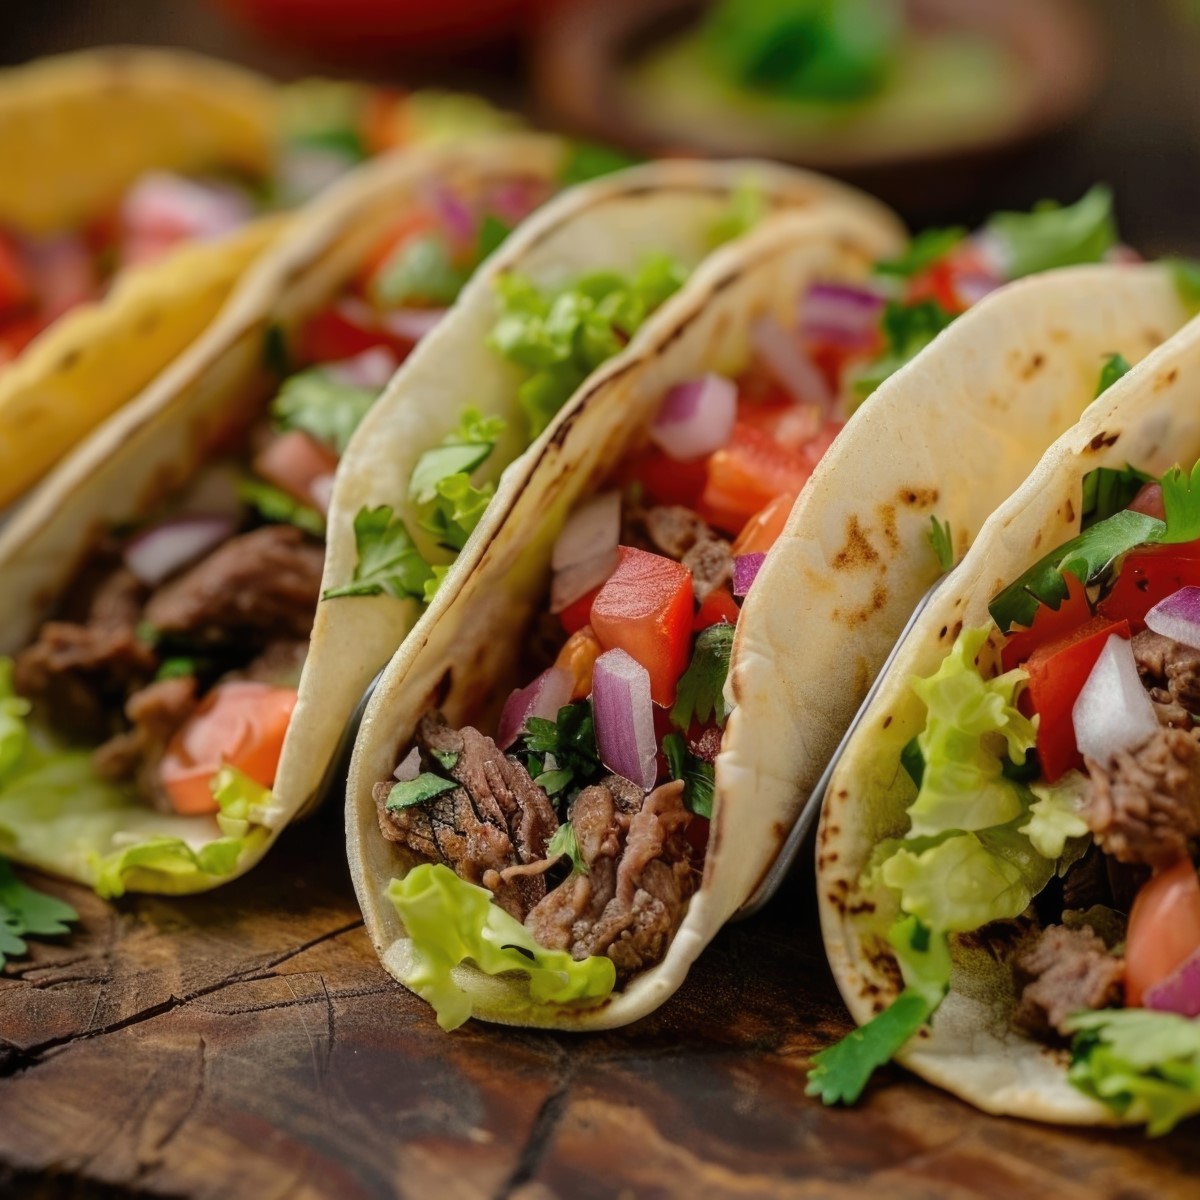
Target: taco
(166, 713)
(99, 287)
(548, 859)
(1006, 867)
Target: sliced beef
(154, 714)
(680, 534)
(258, 586)
(639, 877)
(118, 600)
(1145, 805)
(1062, 972)
(1171, 673)
(496, 820)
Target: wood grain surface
(248, 1044)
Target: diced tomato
(832, 360)
(578, 655)
(762, 531)
(1049, 624)
(344, 330)
(240, 723)
(579, 612)
(719, 605)
(936, 283)
(1149, 500)
(385, 121)
(665, 481)
(16, 287)
(645, 608)
(294, 461)
(750, 471)
(408, 227)
(789, 424)
(1057, 672)
(1164, 929)
(16, 335)
(1148, 576)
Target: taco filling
(1056, 798)
(325, 130)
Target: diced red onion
(162, 205)
(410, 766)
(624, 716)
(695, 418)
(514, 199)
(455, 216)
(793, 369)
(593, 528)
(1112, 713)
(370, 369)
(160, 551)
(745, 571)
(320, 492)
(542, 698)
(574, 582)
(411, 324)
(971, 287)
(1178, 617)
(841, 314)
(1180, 991)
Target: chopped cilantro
(447, 759)
(177, 668)
(388, 561)
(565, 843)
(908, 328)
(1055, 236)
(942, 542)
(589, 160)
(411, 792)
(1113, 369)
(24, 911)
(420, 271)
(554, 781)
(323, 407)
(923, 251)
(571, 740)
(1108, 490)
(701, 694)
(146, 633)
(276, 505)
(1181, 499)
(493, 233)
(460, 452)
(698, 776)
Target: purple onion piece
(695, 418)
(542, 698)
(1180, 991)
(624, 716)
(745, 571)
(1178, 617)
(785, 358)
(158, 552)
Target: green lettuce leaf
(1055, 815)
(13, 710)
(419, 272)
(456, 508)
(1053, 236)
(327, 409)
(1143, 1064)
(451, 922)
(969, 721)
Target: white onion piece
(792, 368)
(1180, 991)
(162, 205)
(304, 171)
(542, 698)
(411, 324)
(1178, 617)
(745, 571)
(1112, 712)
(320, 492)
(592, 529)
(410, 766)
(575, 581)
(993, 253)
(841, 313)
(624, 716)
(972, 287)
(370, 369)
(695, 418)
(160, 551)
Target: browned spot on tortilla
(148, 323)
(779, 829)
(1037, 539)
(1070, 511)
(887, 720)
(1103, 439)
(70, 359)
(862, 907)
(1153, 338)
(1058, 336)
(918, 497)
(858, 551)
(860, 616)
(958, 627)
(1165, 380)
(1033, 366)
(887, 522)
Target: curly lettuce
(451, 921)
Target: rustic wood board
(248, 1044)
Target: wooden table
(248, 1044)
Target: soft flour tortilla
(950, 436)
(1149, 418)
(464, 655)
(155, 444)
(75, 133)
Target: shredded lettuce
(968, 720)
(327, 409)
(1055, 236)
(451, 922)
(1054, 816)
(419, 272)
(13, 710)
(746, 208)
(1143, 1064)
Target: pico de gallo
(176, 652)
(1057, 783)
(326, 129)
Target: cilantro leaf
(388, 561)
(24, 910)
(701, 694)
(1116, 366)
(590, 160)
(1053, 236)
(699, 777)
(942, 542)
(424, 788)
(493, 233)
(178, 668)
(420, 271)
(908, 328)
(923, 251)
(1108, 490)
(461, 452)
(565, 843)
(456, 509)
(570, 740)
(274, 504)
(1181, 499)
(323, 407)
